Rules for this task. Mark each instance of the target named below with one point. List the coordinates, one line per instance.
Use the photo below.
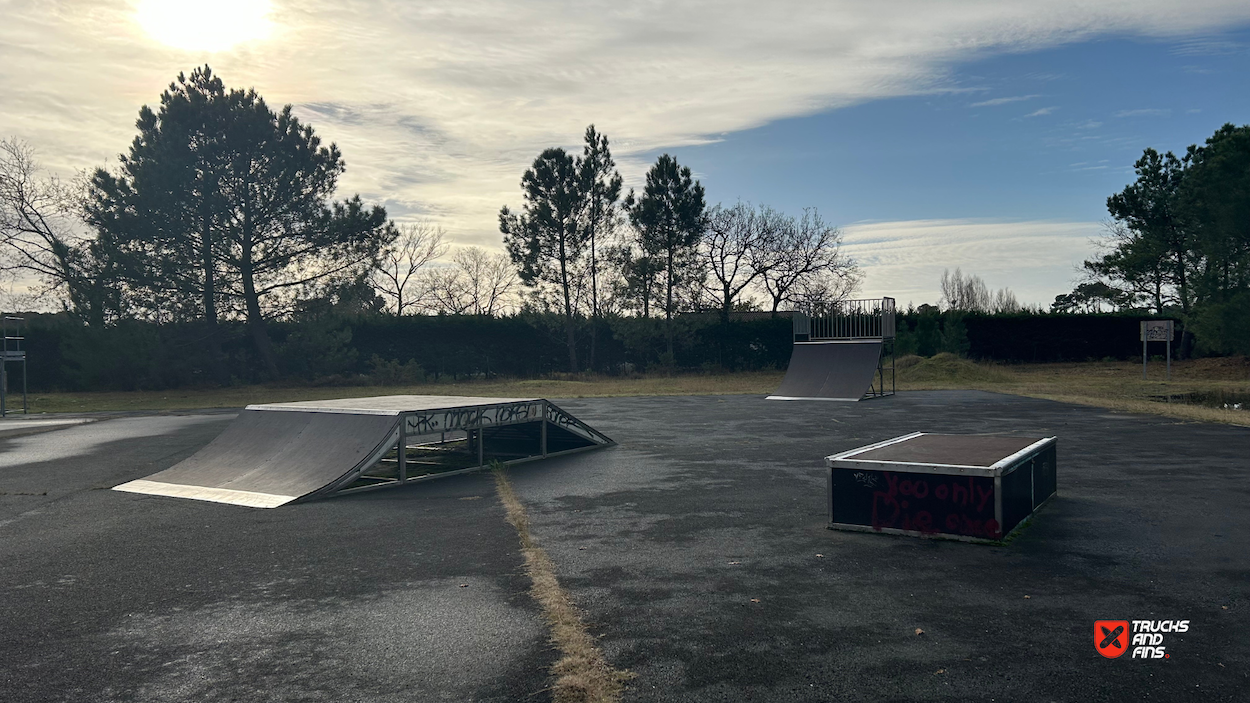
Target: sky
(935, 133)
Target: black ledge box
(976, 488)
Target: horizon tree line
(223, 208)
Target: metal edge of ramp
(816, 370)
(248, 499)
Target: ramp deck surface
(830, 370)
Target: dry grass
(580, 386)
(1117, 385)
(581, 673)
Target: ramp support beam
(543, 437)
(402, 450)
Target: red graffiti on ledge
(936, 503)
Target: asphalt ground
(403, 595)
(692, 548)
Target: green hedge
(65, 355)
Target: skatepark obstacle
(840, 352)
(976, 488)
(278, 453)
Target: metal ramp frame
(274, 454)
(837, 372)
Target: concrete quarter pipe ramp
(839, 352)
(279, 453)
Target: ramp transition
(840, 352)
(830, 370)
(279, 453)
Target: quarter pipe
(830, 370)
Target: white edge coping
(248, 499)
(844, 460)
(805, 397)
(327, 407)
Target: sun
(196, 25)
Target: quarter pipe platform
(283, 452)
(830, 370)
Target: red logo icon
(1111, 637)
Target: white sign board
(1156, 330)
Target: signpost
(1156, 331)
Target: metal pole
(1169, 351)
(1143, 353)
(481, 449)
(25, 409)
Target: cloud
(1150, 112)
(1043, 111)
(439, 106)
(1033, 258)
(1004, 101)
(1208, 46)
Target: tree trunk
(568, 309)
(594, 294)
(256, 321)
(668, 304)
(216, 366)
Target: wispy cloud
(1043, 111)
(1035, 259)
(439, 106)
(1147, 112)
(1208, 46)
(1004, 101)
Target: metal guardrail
(869, 318)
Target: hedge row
(64, 355)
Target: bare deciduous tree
(969, 293)
(40, 237)
(822, 290)
(736, 246)
(476, 283)
(416, 246)
(807, 249)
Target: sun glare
(196, 25)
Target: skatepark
(694, 541)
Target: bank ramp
(841, 352)
(279, 453)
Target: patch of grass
(945, 369)
(582, 673)
(1115, 385)
(569, 386)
